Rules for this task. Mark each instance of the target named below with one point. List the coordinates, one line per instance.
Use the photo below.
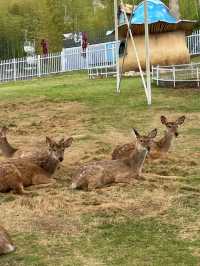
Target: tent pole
(147, 50)
(135, 49)
(116, 48)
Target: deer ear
(49, 141)
(163, 119)
(180, 120)
(4, 131)
(68, 142)
(135, 133)
(62, 141)
(153, 133)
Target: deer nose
(176, 134)
(60, 159)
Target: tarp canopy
(157, 11)
(159, 19)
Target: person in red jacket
(45, 48)
(84, 43)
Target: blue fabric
(157, 11)
(109, 52)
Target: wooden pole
(135, 50)
(147, 51)
(117, 40)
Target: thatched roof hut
(167, 36)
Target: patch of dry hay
(59, 209)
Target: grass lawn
(196, 59)
(153, 222)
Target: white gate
(193, 43)
(96, 56)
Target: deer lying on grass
(158, 148)
(9, 151)
(15, 174)
(6, 245)
(101, 173)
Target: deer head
(144, 141)
(57, 149)
(172, 127)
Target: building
(167, 36)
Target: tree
(44, 19)
(174, 8)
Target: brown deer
(6, 245)
(15, 174)
(158, 148)
(101, 173)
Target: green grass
(196, 59)
(154, 223)
(138, 242)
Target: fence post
(106, 58)
(39, 66)
(157, 75)
(62, 60)
(174, 76)
(198, 77)
(86, 58)
(14, 69)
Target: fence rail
(188, 74)
(193, 43)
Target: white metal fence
(188, 74)
(29, 67)
(99, 59)
(193, 43)
(96, 56)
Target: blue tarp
(159, 18)
(157, 11)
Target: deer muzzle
(176, 134)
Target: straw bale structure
(166, 49)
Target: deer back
(123, 151)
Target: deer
(6, 244)
(159, 148)
(17, 173)
(98, 174)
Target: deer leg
(123, 180)
(42, 179)
(16, 183)
(19, 189)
